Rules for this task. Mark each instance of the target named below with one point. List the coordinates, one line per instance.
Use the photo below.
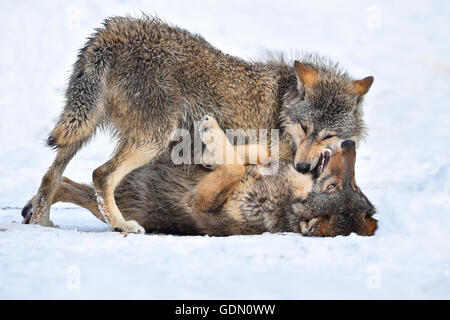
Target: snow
(403, 167)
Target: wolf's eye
(303, 127)
(329, 136)
(331, 186)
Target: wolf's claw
(129, 226)
(27, 212)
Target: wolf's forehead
(332, 100)
(331, 122)
(331, 106)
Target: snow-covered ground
(404, 166)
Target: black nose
(303, 167)
(348, 144)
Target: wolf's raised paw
(129, 226)
(209, 129)
(218, 151)
(208, 122)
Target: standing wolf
(145, 79)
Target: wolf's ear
(307, 75)
(361, 87)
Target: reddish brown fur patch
(320, 227)
(335, 166)
(343, 163)
(325, 228)
(370, 226)
(361, 87)
(215, 188)
(307, 75)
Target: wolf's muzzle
(303, 167)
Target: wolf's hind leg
(76, 124)
(130, 154)
(69, 191)
(213, 190)
(79, 194)
(44, 197)
(108, 176)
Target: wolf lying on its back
(145, 79)
(165, 198)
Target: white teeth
(321, 165)
(327, 151)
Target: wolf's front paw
(129, 226)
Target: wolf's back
(86, 91)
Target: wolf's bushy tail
(84, 107)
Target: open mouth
(322, 163)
